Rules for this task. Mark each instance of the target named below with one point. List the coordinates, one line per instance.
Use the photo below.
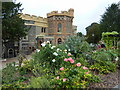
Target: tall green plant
(76, 44)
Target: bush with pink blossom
(73, 75)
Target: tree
(13, 27)
(111, 19)
(79, 34)
(93, 33)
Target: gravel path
(9, 60)
(108, 81)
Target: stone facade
(60, 25)
(55, 28)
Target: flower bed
(62, 67)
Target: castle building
(55, 28)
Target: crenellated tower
(60, 25)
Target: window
(25, 38)
(59, 40)
(43, 30)
(59, 27)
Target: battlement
(33, 18)
(70, 13)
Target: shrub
(73, 75)
(39, 82)
(76, 44)
(9, 74)
(103, 61)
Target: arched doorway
(10, 53)
(59, 40)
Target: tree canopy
(93, 33)
(13, 27)
(110, 20)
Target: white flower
(16, 65)
(65, 50)
(22, 64)
(58, 49)
(37, 50)
(53, 60)
(68, 49)
(43, 44)
(48, 42)
(55, 54)
(53, 47)
(116, 58)
(44, 65)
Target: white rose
(55, 54)
(52, 47)
(48, 42)
(43, 44)
(58, 49)
(65, 50)
(37, 50)
(53, 60)
(116, 58)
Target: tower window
(59, 27)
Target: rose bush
(73, 75)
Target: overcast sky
(85, 11)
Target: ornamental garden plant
(72, 64)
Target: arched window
(59, 27)
(59, 40)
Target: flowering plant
(73, 75)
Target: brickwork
(65, 18)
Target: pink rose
(87, 72)
(69, 54)
(57, 77)
(71, 61)
(66, 59)
(78, 64)
(85, 68)
(64, 79)
(62, 68)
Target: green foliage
(9, 73)
(17, 84)
(13, 27)
(39, 71)
(50, 57)
(109, 38)
(103, 61)
(93, 33)
(111, 19)
(79, 34)
(118, 54)
(76, 44)
(39, 82)
(73, 75)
